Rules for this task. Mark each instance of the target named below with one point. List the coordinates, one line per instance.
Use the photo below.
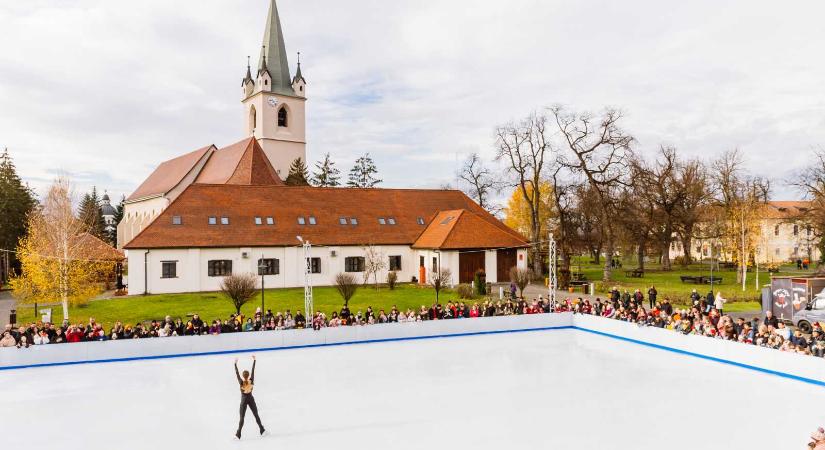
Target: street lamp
(308, 307)
(261, 272)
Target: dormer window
(270, 221)
(213, 220)
(258, 221)
(282, 117)
(382, 221)
(420, 221)
(342, 220)
(176, 220)
(353, 221)
(391, 220)
(312, 220)
(302, 221)
(224, 220)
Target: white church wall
(192, 266)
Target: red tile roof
(462, 229)
(92, 247)
(169, 173)
(243, 162)
(242, 203)
(786, 209)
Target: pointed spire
(298, 75)
(273, 53)
(248, 77)
(262, 65)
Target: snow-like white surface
(560, 389)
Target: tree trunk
(687, 242)
(666, 256)
(640, 255)
(608, 259)
(597, 254)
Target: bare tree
(521, 277)
(374, 262)
(693, 180)
(659, 186)
(478, 182)
(741, 198)
(525, 148)
(239, 288)
(439, 280)
(596, 150)
(811, 183)
(346, 285)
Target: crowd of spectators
(705, 317)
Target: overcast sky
(104, 90)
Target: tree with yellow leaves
(59, 258)
(517, 213)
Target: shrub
(464, 291)
(346, 284)
(480, 281)
(392, 278)
(521, 277)
(239, 288)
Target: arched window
(282, 117)
(253, 118)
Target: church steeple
(274, 104)
(273, 53)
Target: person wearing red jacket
(74, 335)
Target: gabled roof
(242, 203)
(462, 229)
(243, 162)
(169, 173)
(92, 247)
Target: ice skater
(247, 383)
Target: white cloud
(106, 89)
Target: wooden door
(505, 259)
(468, 264)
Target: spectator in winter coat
(719, 302)
(695, 297)
(41, 338)
(770, 319)
(652, 293)
(7, 340)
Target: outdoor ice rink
(559, 389)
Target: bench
(635, 273)
(714, 280)
(578, 276)
(690, 279)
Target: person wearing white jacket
(719, 303)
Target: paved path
(6, 305)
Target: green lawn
(668, 284)
(213, 305)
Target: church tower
(274, 103)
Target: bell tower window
(282, 119)
(252, 119)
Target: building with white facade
(217, 211)
(784, 236)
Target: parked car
(814, 312)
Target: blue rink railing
(801, 368)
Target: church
(215, 211)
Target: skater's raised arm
(237, 374)
(252, 377)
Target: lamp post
(308, 306)
(261, 272)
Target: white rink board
(563, 389)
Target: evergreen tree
(298, 174)
(16, 202)
(363, 173)
(89, 213)
(112, 235)
(326, 174)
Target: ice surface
(561, 389)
